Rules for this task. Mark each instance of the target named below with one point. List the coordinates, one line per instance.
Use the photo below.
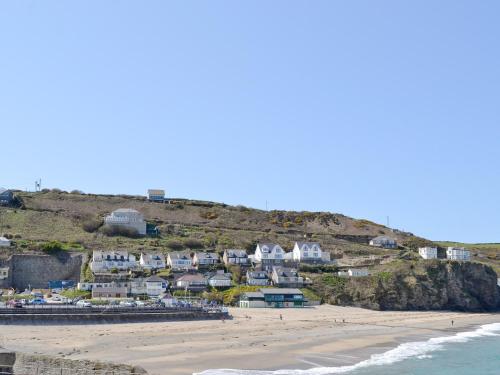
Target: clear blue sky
(367, 108)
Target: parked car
(127, 304)
(37, 301)
(83, 303)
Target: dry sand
(254, 339)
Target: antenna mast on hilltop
(38, 185)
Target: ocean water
(466, 353)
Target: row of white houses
(266, 254)
(452, 253)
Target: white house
(4, 242)
(384, 242)
(236, 256)
(202, 259)
(103, 261)
(354, 272)
(156, 195)
(155, 286)
(179, 261)
(458, 253)
(127, 218)
(219, 279)
(428, 252)
(269, 255)
(154, 261)
(307, 252)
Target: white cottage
(127, 218)
(105, 261)
(307, 252)
(428, 252)
(458, 253)
(384, 242)
(179, 261)
(354, 272)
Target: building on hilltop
(6, 197)
(156, 195)
(307, 252)
(428, 252)
(458, 253)
(384, 242)
(127, 218)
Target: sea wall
(24, 364)
(36, 271)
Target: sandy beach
(254, 339)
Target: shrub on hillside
(175, 245)
(116, 230)
(52, 247)
(193, 243)
(91, 225)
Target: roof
(237, 253)
(155, 279)
(156, 192)
(268, 244)
(383, 238)
(3, 239)
(126, 210)
(300, 244)
(280, 291)
(3, 190)
(254, 294)
(203, 255)
(152, 256)
(179, 255)
(191, 277)
(220, 276)
(284, 271)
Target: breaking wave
(418, 349)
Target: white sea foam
(418, 349)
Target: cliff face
(423, 285)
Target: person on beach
(452, 322)
(281, 317)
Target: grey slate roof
(300, 244)
(179, 255)
(154, 279)
(236, 253)
(203, 255)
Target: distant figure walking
(452, 322)
(281, 317)
(343, 320)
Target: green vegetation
(72, 294)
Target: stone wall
(37, 270)
(24, 364)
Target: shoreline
(254, 339)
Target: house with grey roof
(194, 282)
(269, 255)
(179, 261)
(384, 242)
(285, 277)
(219, 279)
(236, 257)
(307, 252)
(6, 197)
(156, 195)
(202, 259)
(152, 261)
(257, 278)
(127, 218)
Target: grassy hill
(75, 218)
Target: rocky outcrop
(417, 285)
